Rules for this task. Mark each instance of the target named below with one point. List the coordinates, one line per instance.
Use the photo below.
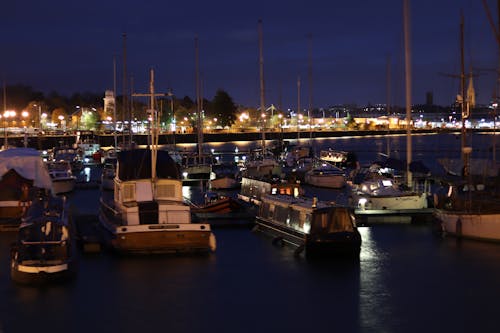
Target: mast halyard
(262, 100)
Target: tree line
(22, 97)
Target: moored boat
(146, 213)
(318, 228)
(45, 251)
(22, 171)
(63, 180)
(326, 175)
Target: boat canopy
(28, 163)
(136, 164)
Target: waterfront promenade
(49, 141)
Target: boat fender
(212, 242)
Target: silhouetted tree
(224, 108)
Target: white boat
(319, 228)
(45, 250)
(383, 194)
(463, 217)
(22, 172)
(224, 176)
(63, 180)
(147, 213)
(326, 175)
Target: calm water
(407, 280)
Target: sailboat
(378, 199)
(198, 166)
(468, 209)
(146, 213)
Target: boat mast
(406, 9)
(309, 112)
(262, 102)
(114, 101)
(199, 121)
(154, 128)
(464, 103)
(124, 87)
(388, 108)
(298, 108)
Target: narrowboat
(316, 227)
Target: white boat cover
(28, 163)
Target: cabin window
(294, 218)
(338, 220)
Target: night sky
(69, 46)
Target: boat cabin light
(387, 182)
(362, 202)
(184, 174)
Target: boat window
(294, 217)
(337, 220)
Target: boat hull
(224, 183)
(484, 226)
(38, 272)
(172, 238)
(417, 201)
(328, 181)
(345, 244)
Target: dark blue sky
(69, 46)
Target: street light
(6, 115)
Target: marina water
(408, 279)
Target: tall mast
(406, 6)
(298, 107)
(464, 103)
(388, 107)
(199, 121)
(153, 113)
(114, 101)
(124, 86)
(262, 102)
(309, 108)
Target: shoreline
(42, 142)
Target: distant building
(109, 104)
